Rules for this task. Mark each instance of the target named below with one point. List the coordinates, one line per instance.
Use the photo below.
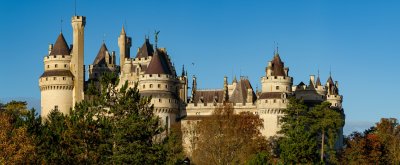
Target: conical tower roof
(101, 56)
(146, 49)
(60, 47)
(318, 83)
(277, 66)
(158, 65)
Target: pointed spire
(183, 70)
(318, 83)
(60, 47)
(123, 31)
(234, 79)
(276, 49)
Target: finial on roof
(156, 37)
(75, 8)
(61, 25)
(183, 70)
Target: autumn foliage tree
(228, 138)
(378, 145)
(16, 145)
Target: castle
(63, 82)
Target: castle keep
(63, 81)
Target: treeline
(307, 136)
(119, 127)
(111, 127)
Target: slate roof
(208, 96)
(146, 49)
(239, 95)
(271, 95)
(60, 46)
(51, 73)
(332, 89)
(101, 56)
(277, 66)
(159, 64)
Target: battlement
(78, 18)
(142, 59)
(334, 97)
(273, 102)
(57, 58)
(157, 77)
(277, 78)
(56, 80)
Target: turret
(57, 82)
(226, 92)
(124, 44)
(277, 77)
(333, 95)
(276, 86)
(103, 63)
(183, 85)
(194, 86)
(160, 82)
(77, 63)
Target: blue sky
(358, 40)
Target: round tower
(163, 86)
(276, 86)
(57, 81)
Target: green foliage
(261, 158)
(299, 144)
(110, 127)
(327, 123)
(306, 130)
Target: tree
(16, 145)
(364, 148)
(378, 145)
(327, 122)
(228, 138)
(305, 127)
(299, 143)
(109, 127)
(388, 131)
